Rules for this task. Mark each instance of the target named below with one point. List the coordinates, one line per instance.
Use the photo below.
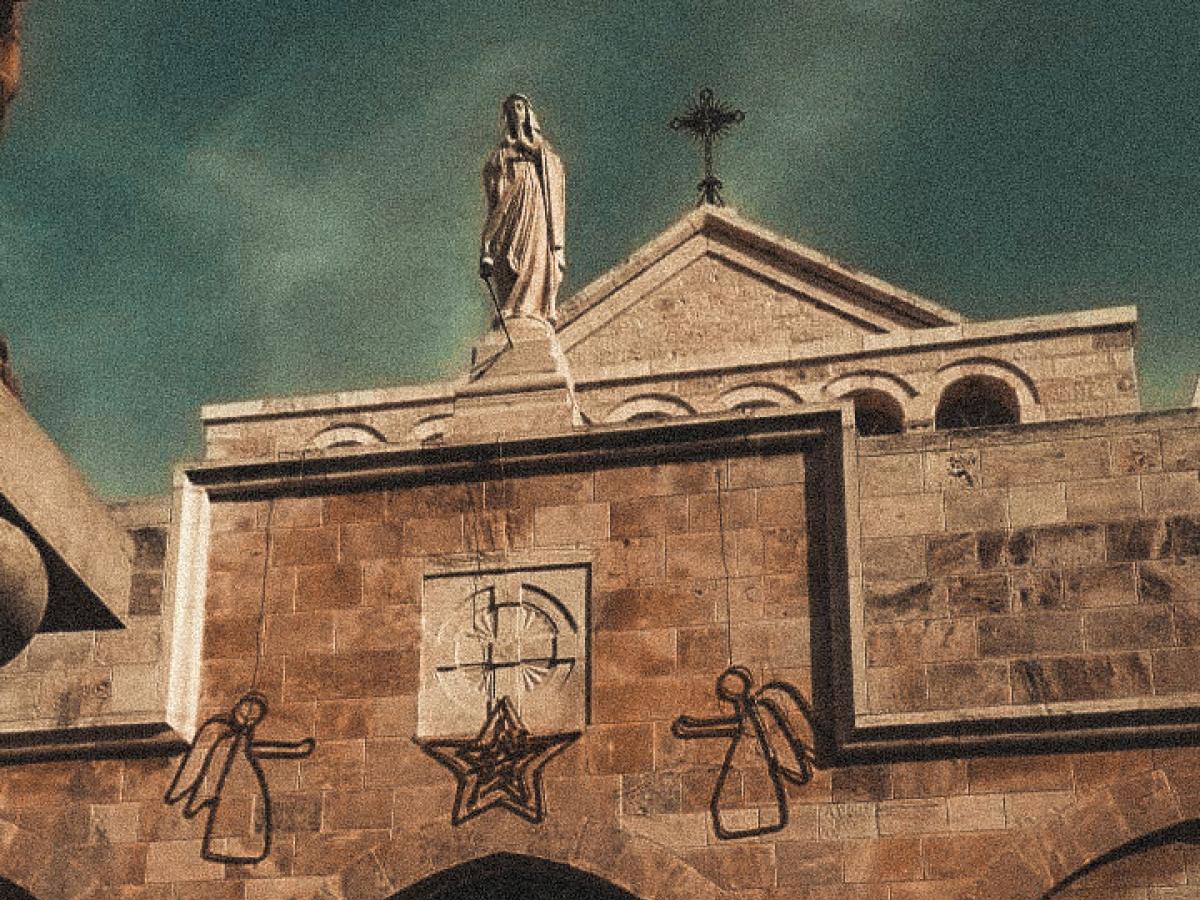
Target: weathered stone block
(1030, 634)
(1037, 504)
(1128, 628)
(328, 587)
(887, 476)
(582, 524)
(371, 541)
(952, 554)
(1167, 492)
(619, 749)
(782, 505)
(1175, 670)
(930, 778)
(363, 506)
(1181, 449)
(896, 516)
(1135, 540)
(920, 641)
(698, 555)
(304, 546)
(961, 685)
(1045, 461)
(891, 559)
(971, 595)
(659, 604)
(976, 509)
(888, 601)
(1103, 498)
(897, 689)
(1040, 589)
(1112, 585)
(1133, 454)
(1068, 545)
(1081, 678)
(802, 863)
(861, 783)
(649, 516)
(1183, 536)
(912, 816)
(426, 537)
(1007, 774)
(886, 859)
(1000, 549)
(625, 655)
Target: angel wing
(199, 774)
(786, 719)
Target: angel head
(734, 684)
(249, 711)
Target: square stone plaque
(518, 632)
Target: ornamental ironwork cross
(708, 120)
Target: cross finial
(708, 120)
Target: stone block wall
(84, 677)
(1048, 565)
(332, 579)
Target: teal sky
(214, 201)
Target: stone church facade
(951, 566)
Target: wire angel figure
(225, 745)
(763, 747)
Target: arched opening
(876, 413)
(977, 401)
(1152, 860)
(508, 876)
(10, 891)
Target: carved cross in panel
(511, 646)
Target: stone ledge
(426, 393)
(1031, 432)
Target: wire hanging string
(725, 568)
(262, 598)
(260, 633)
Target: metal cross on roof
(708, 120)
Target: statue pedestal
(525, 389)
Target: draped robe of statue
(523, 237)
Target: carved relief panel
(490, 633)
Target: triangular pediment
(717, 282)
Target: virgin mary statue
(522, 247)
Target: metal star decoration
(499, 767)
(708, 120)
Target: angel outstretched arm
(283, 749)
(686, 727)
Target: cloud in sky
(206, 202)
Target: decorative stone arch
(346, 435)
(870, 379)
(430, 429)
(1038, 861)
(758, 395)
(662, 406)
(632, 863)
(1014, 377)
(887, 394)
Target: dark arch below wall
(1187, 832)
(511, 876)
(10, 891)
